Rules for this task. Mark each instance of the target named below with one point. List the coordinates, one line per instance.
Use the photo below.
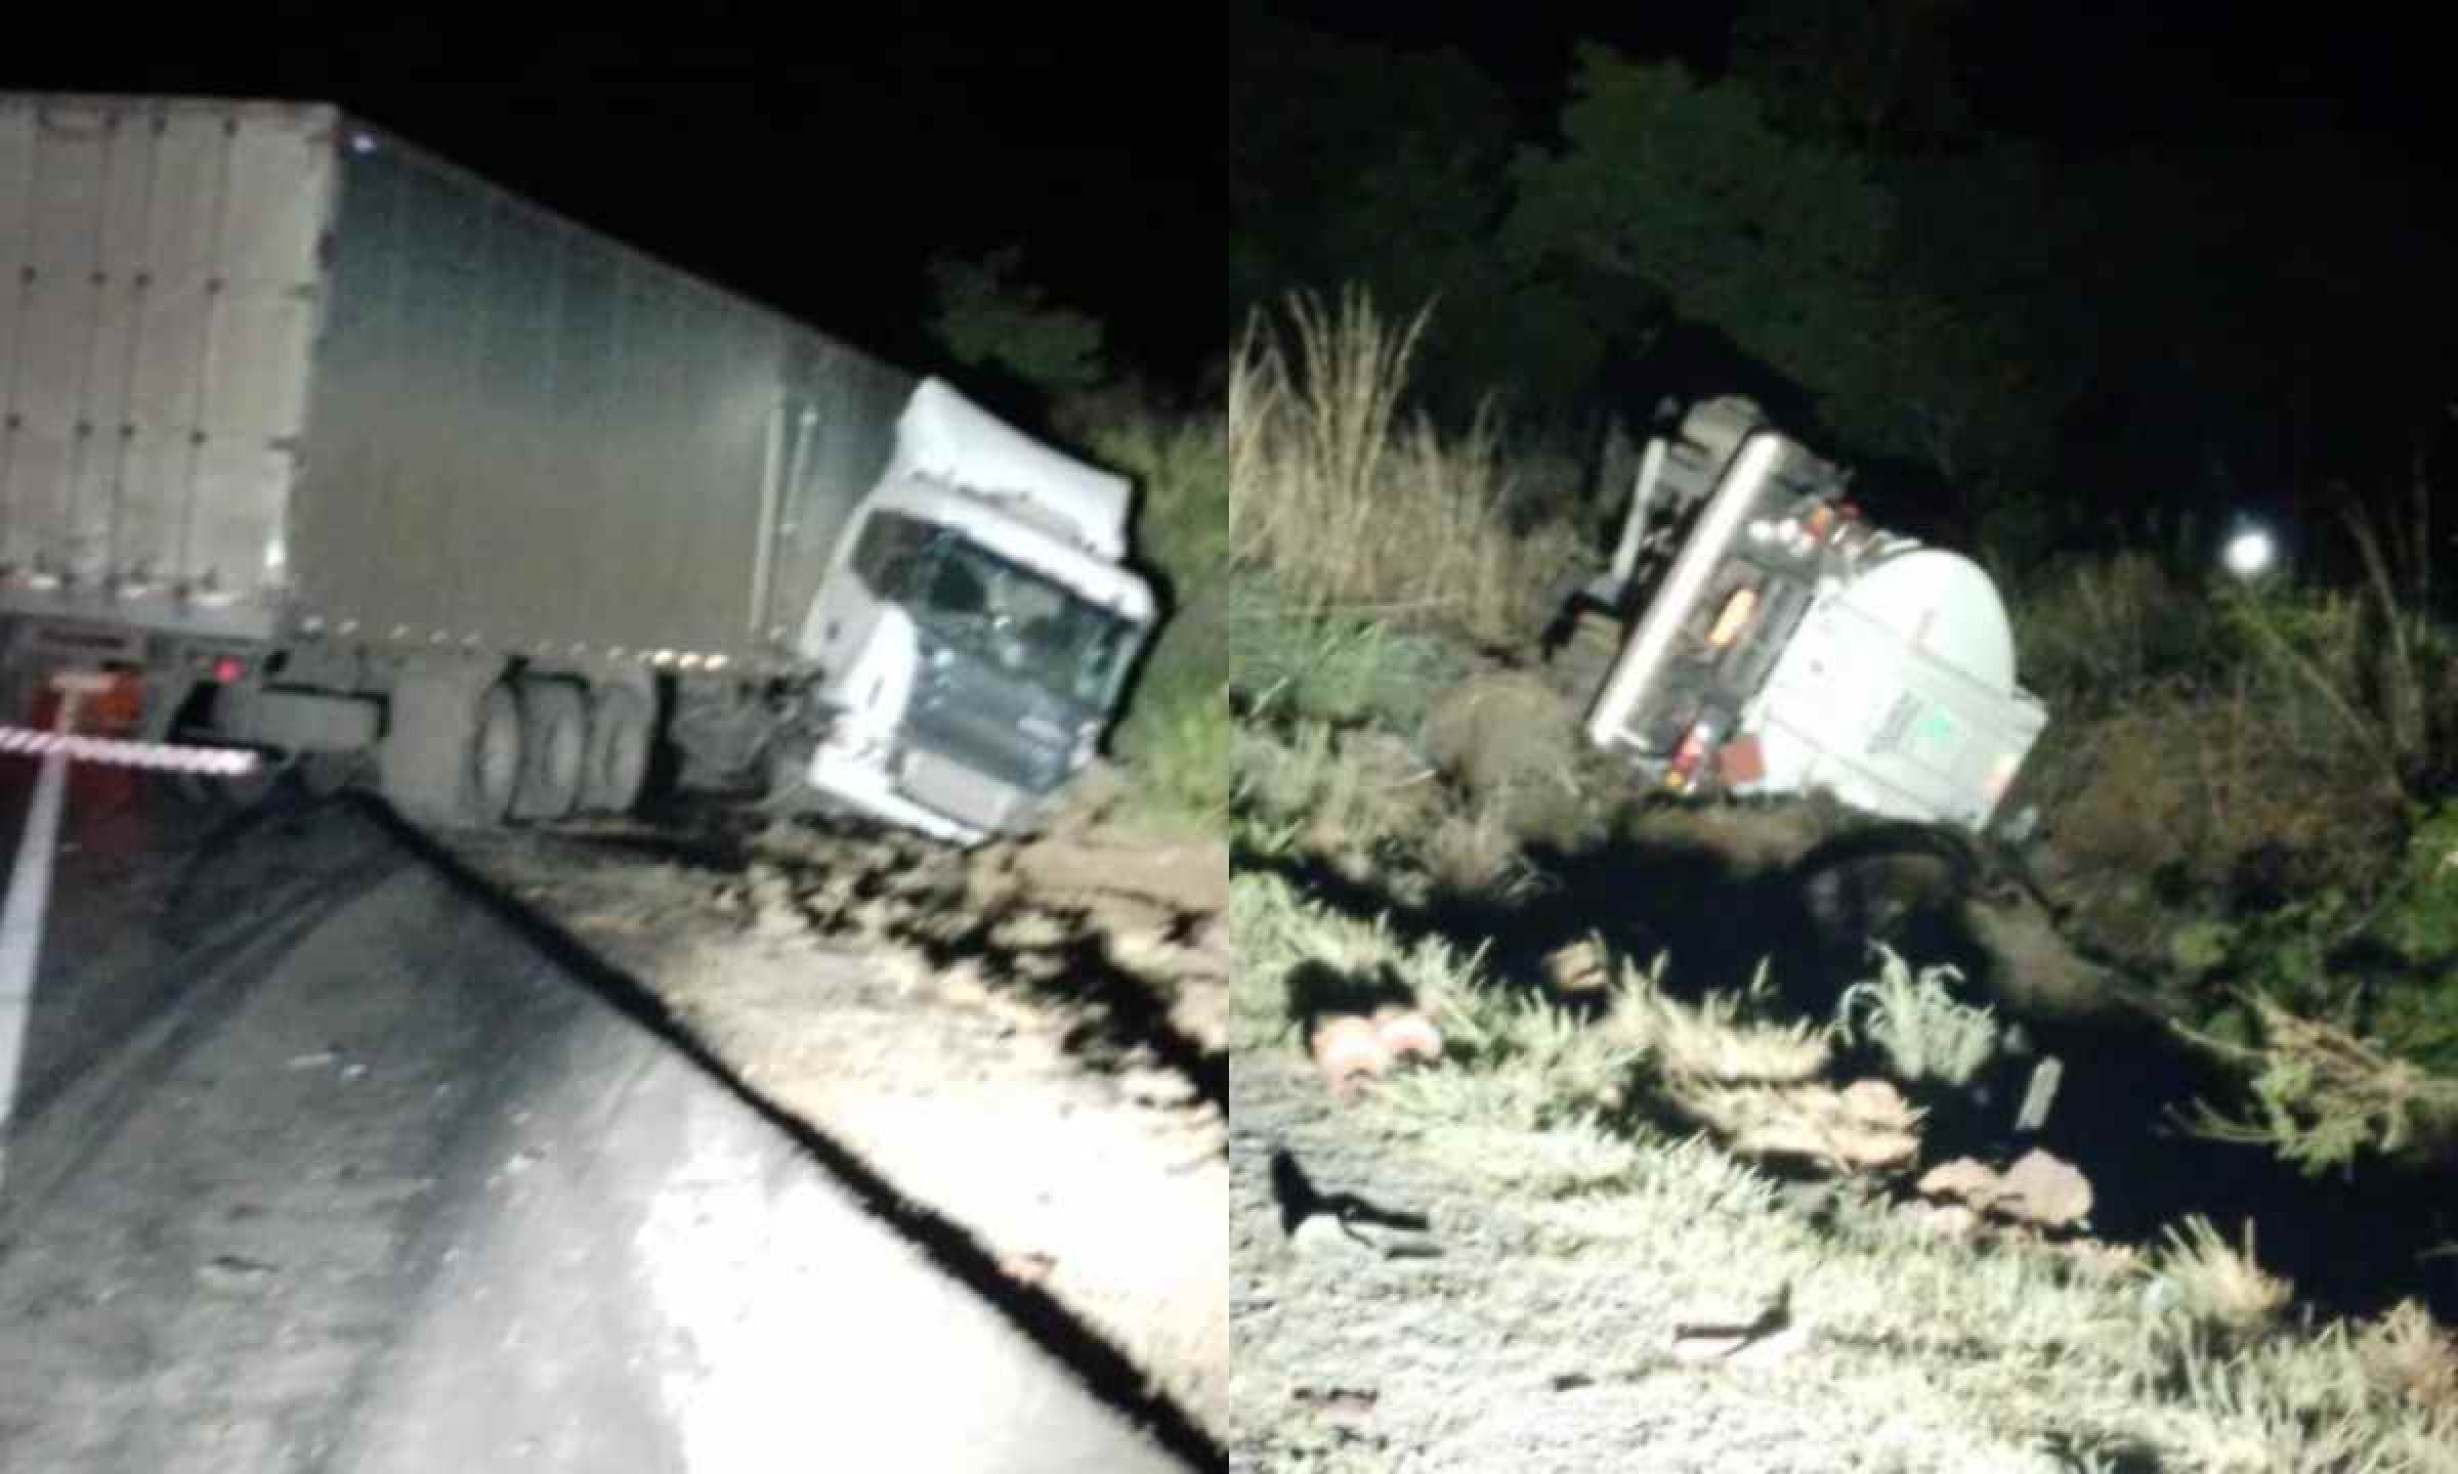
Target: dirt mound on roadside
(1514, 746)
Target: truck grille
(958, 792)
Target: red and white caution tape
(227, 762)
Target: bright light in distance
(2249, 553)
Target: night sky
(2086, 75)
(2203, 252)
(815, 162)
(812, 163)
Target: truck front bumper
(865, 782)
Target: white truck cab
(975, 627)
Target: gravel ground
(1538, 1340)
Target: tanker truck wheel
(554, 748)
(620, 728)
(451, 754)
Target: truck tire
(621, 724)
(451, 754)
(554, 748)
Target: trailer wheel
(554, 748)
(451, 753)
(619, 734)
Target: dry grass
(2183, 1358)
(2210, 1282)
(1515, 747)
(1721, 1040)
(1350, 505)
(1472, 850)
(2411, 1358)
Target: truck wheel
(619, 732)
(451, 754)
(554, 748)
(495, 758)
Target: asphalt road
(318, 1164)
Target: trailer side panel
(525, 436)
(158, 300)
(262, 363)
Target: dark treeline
(2037, 311)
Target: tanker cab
(971, 662)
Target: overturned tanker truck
(1753, 635)
(317, 446)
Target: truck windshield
(1020, 622)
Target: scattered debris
(1349, 1409)
(1963, 1179)
(2047, 1190)
(1349, 1051)
(1408, 1034)
(1028, 1268)
(1946, 1220)
(233, 1274)
(2039, 1189)
(1771, 1335)
(1579, 968)
(1865, 1127)
(2040, 1094)
(1325, 1238)
(1319, 1223)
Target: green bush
(2382, 964)
(984, 316)
(1174, 738)
(1336, 668)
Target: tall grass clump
(1353, 504)
(1915, 1020)
(2206, 1279)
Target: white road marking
(29, 883)
(21, 930)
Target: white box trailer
(1754, 635)
(334, 449)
